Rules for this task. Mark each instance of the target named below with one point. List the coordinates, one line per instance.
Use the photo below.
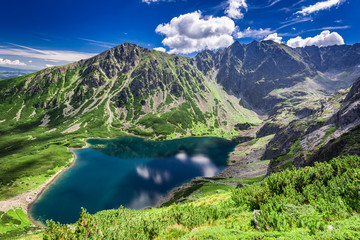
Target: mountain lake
(128, 171)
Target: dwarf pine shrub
(307, 197)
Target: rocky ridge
(246, 91)
(265, 74)
(331, 131)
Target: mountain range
(130, 89)
(284, 106)
(6, 72)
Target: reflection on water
(128, 171)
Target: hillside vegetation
(125, 90)
(132, 90)
(320, 202)
(285, 107)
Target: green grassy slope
(14, 223)
(125, 90)
(320, 202)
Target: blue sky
(41, 33)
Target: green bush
(307, 197)
(293, 204)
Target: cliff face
(331, 131)
(330, 58)
(266, 74)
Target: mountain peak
(129, 46)
(236, 44)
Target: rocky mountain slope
(125, 90)
(127, 87)
(330, 131)
(247, 91)
(266, 75)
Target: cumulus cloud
(160, 49)
(319, 6)
(9, 62)
(253, 33)
(324, 39)
(49, 65)
(234, 9)
(52, 55)
(193, 32)
(274, 37)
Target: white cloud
(234, 9)
(294, 21)
(160, 49)
(274, 37)
(99, 43)
(9, 62)
(273, 3)
(30, 61)
(324, 39)
(49, 65)
(253, 33)
(153, 1)
(319, 6)
(149, 1)
(51, 55)
(192, 32)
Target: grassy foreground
(15, 222)
(320, 202)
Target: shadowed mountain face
(330, 131)
(331, 58)
(259, 71)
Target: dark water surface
(128, 171)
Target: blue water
(128, 171)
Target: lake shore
(25, 200)
(46, 185)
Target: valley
(283, 107)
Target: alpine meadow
(149, 119)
